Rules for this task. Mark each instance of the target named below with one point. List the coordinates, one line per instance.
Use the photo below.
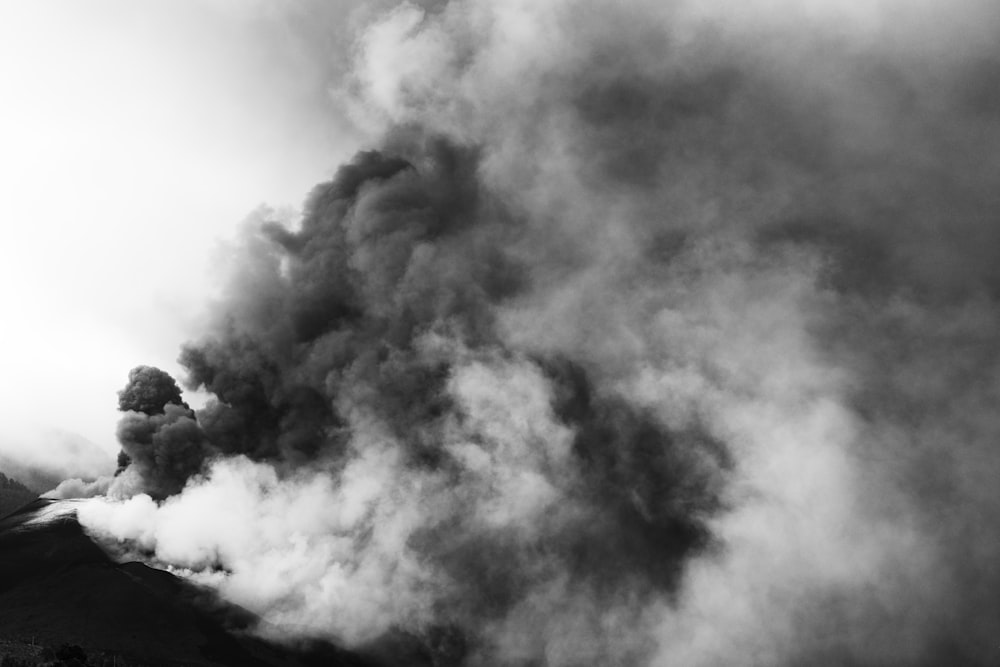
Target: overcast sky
(134, 137)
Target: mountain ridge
(57, 587)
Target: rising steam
(658, 334)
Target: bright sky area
(134, 137)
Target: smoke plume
(648, 335)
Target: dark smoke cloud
(650, 336)
(165, 450)
(149, 390)
(162, 443)
(355, 287)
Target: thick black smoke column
(162, 444)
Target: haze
(134, 135)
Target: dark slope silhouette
(58, 587)
(13, 494)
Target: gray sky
(134, 136)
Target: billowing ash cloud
(651, 335)
(162, 443)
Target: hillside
(13, 495)
(58, 588)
